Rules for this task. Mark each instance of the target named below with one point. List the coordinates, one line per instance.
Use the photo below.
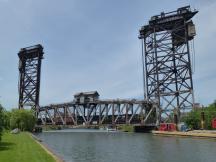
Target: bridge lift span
(88, 109)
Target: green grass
(126, 128)
(22, 148)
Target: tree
(210, 113)
(193, 119)
(1, 120)
(6, 119)
(213, 104)
(22, 119)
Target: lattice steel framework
(167, 61)
(100, 112)
(29, 76)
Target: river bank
(196, 133)
(22, 148)
(46, 148)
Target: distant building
(197, 106)
(86, 97)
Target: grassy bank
(22, 148)
(126, 128)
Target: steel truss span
(29, 76)
(167, 61)
(100, 112)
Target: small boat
(102, 128)
(111, 129)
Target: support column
(65, 115)
(113, 114)
(100, 115)
(126, 115)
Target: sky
(93, 45)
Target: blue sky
(93, 45)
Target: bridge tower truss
(29, 76)
(167, 63)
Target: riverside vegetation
(193, 118)
(20, 147)
(1, 121)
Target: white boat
(110, 129)
(102, 128)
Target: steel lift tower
(167, 63)
(29, 76)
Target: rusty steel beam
(100, 112)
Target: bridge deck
(100, 112)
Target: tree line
(193, 118)
(23, 119)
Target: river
(79, 145)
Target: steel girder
(100, 112)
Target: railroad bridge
(87, 109)
(167, 78)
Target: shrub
(22, 119)
(193, 119)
